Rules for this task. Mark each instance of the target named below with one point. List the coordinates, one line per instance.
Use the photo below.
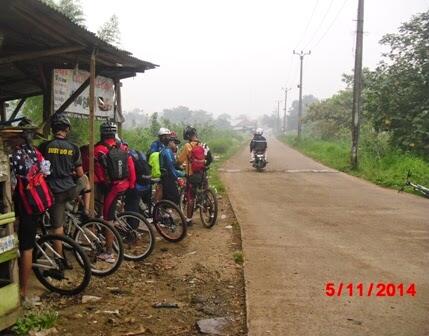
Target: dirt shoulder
(199, 274)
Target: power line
(320, 24)
(308, 25)
(331, 24)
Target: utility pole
(285, 110)
(357, 87)
(278, 117)
(301, 57)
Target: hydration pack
(197, 159)
(116, 162)
(155, 165)
(141, 166)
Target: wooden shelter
(35, 39)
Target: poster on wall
(67, 81)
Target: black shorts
(58, 210)
(27, 226)
(169, 189)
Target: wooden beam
(38, 54)
(72, 98)
(91, 131)
(4, 98)
(2, 111)
(17, 109)
(118, 85)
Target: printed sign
(67, 81)
(7, 243)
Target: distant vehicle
(259, 163)
(417, 187)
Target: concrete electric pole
(285, 110)
(357, 87)
(278, 117)
(301, 57)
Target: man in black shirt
(66, 164)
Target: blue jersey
(167, 162)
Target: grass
(234, 145)
(387, 167)
(238, 257)
(35, 321)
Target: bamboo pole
(91, 130)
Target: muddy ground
(199, 274)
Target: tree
(330, 118)
(223, 121)
(396, 96)
(73, 10)
(154, 124)
(109, 31)
(292, 119)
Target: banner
(67, 81)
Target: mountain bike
(91, 235)
(417, 187)
(66, 274)
(137, 236)
(166, 216)
(205, 200)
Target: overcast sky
(234, 56)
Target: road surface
(305, 225)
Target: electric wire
(331, 24)
(320, 24)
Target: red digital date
(371, 289)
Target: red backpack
(197, 159)
(34, 192)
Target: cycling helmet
(173, 137)
(108, 129)
(189, 132)
(60, 122)
(259, 131)
(164, 131)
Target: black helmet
(60, 122)
(189, 132)
(108, 129)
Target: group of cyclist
(118, 170)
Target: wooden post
(2, 111)
(91, 130)
(118, 85)
(47, 104)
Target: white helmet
(259, 131)
(164, 131)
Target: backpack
(197, 158)
(34, 192)
(116, 162)
(141, 166)
(155, 165)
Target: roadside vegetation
(395, 117)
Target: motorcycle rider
(258, 145)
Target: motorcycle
(260, 162)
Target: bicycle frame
(53, 263)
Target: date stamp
(370, 289)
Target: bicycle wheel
(68, 274)
(137, 235)
(92, 236)
(169, 221)
(208, 207)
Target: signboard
(7, 243)
(67, 81)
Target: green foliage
(330, 118)
(238, 257)
(109, 31)
(154, 124)
(397, 99)
(35, 321)
(73, 10)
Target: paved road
(304, 225)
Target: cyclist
(169, 173)
(66, 165)
(258, 145)
(24, 158)
(193, 157)
(114, 173)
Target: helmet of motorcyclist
(259, 131)
(108, 129)
(189, 132)
(60, 122)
